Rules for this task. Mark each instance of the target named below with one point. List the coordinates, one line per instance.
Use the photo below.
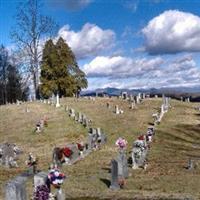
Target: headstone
(114, 175)
(15, 189)
(132, 105)
(72, 113)
(40, 179)
(137, 99)
(107, 105)
(80, 117)
(117, 110)
(122, 164)
(131, 98)
(56, 156)
(66, 108)
(139, 153)
(8, 155)
(190, 164)
(18, 102)
(27, 110)
(60, 195)
(57, 101)
(124, 95)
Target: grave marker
(114, 175)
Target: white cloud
(125, 72)
(89, 41)
(171, 32)
(120, 67)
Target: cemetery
(151, 152)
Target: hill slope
(177, 138)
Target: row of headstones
(164, 109)
(78, 117)
(138, 98)
(133, 100)
(54, 101)
(9, 154)
(142, 144)
(186, 99)
(96, 138)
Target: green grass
(165, 176)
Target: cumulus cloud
(71, 5)
(89, 41)
(171, 32)
(125, 72)
(121, 67)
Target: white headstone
(57, 101)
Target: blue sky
(125, 43)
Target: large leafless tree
(29, 34)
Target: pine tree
(59, 70)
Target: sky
(125, 43)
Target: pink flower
(121, 143)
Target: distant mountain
(173, 91)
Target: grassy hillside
(177, 138)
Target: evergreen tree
(14, 85)
(3, 74)
(59, 70)
(48, 65)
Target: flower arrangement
(142, 137)
(80, 146)
(41, 193)
(56, 178)
(67, 152)
(121, 143)
(31, 160)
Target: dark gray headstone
(55, 158)
(114, 175)
(122, 164)
(15, 189)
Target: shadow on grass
(106, 169)
(106, 182)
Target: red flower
(67, 152)
(80, 147)
(141, 137)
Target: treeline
(11, 86)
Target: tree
(14, 84)
(30, 30)
(11, 85)
(60, 73)
(3, 73)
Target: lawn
(177, 138)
